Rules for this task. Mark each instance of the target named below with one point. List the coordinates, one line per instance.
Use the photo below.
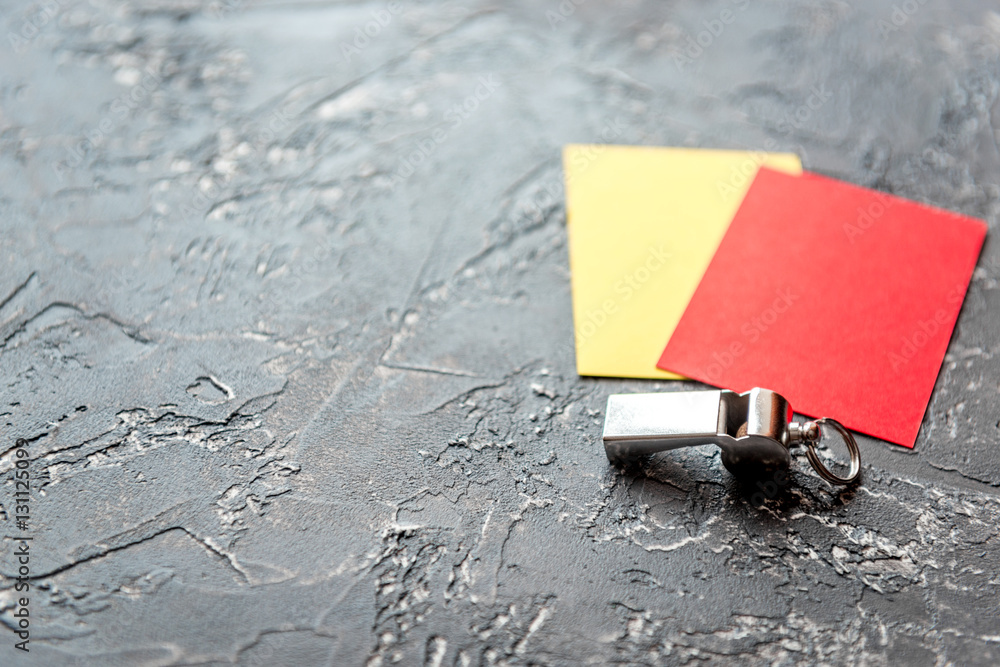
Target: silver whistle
(754, 430)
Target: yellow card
(644, 224)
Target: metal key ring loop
(852, 447)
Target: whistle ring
(852, 447)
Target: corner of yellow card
(643, 226)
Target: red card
(840, 298)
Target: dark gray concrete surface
(290, 337)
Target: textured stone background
(290, 403)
